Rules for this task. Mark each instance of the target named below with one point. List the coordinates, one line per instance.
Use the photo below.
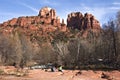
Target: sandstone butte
(47, 21)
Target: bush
(1, 71)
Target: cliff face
(82, 22)
(47, 21)
(46, 17)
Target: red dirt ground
(38, 74)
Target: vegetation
(92, 52)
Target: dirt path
(67, 75)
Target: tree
(45, 55)
(61, 49)
(6, 51)
(26, 50)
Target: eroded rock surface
(82, 22)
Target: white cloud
(11, 14)
(30, 7)
(48, 2)
(116, 3)
(85, 7)
(115, 8)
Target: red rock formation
(77, 20)
(46, 17)
(47, 21)
(13, 21)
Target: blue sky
(103, 10)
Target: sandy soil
(38, 74)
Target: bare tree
(61, 49)
(45, 55)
